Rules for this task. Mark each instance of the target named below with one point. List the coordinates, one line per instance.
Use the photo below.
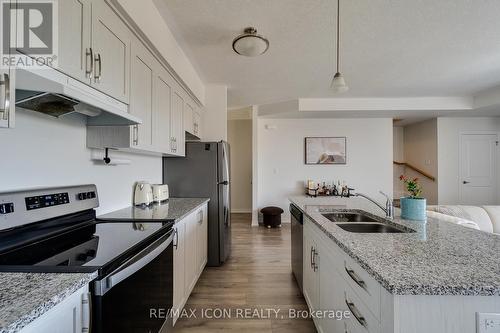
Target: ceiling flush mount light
(250, 44)
(338, 82)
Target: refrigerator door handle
(223, 183)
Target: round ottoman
(272, 216)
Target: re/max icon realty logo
(29, 33)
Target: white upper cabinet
(192, 118)
(177, 124)
(197, 124)
(75, 54)
(7, 88)
(163, 86)
(111, 42)
(188, 118)
(141, 98)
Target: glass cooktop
(92, 246)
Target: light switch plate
(487, 322)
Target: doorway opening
(239, 136)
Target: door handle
(465, 182)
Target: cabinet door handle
(136, 135)
(4, 111)
(315, 267)
(355, 277)
(98, 59)
(200, 221)
(87, 306)
(355, 312)
(89, 53)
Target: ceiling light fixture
(338, 82)
(250, 44)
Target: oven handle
(132, 266)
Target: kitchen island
(432, 278)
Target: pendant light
(338, 82)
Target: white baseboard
(241, 211)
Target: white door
(478, 169)
(111, 41)
(75, 55)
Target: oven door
(138, 296)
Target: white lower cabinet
(190, 254)
(179, 265)
(72, 315)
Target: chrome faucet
(389, 206)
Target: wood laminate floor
(255, 287)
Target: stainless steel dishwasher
(297, 220)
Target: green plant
(412, 185)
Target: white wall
(215, 115)
(449, 130)
(281, 168)
(420, 150)
(45, 151)
(239, 136)
(399, 156)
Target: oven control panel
(86, 195)
(47, 200)
(23, 207)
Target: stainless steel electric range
(56, 230)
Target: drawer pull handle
(356, 278)
(355, 312)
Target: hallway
(257, 277)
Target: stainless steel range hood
(53, 93)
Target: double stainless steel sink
(361, 223)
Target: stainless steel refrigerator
(205, 172)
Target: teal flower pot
(414, 209)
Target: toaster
(160, 192)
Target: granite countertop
(26, 296)
(175, 209)
(440, 258)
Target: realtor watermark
(29, 33)
(247, 313)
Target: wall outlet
(488, 322)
